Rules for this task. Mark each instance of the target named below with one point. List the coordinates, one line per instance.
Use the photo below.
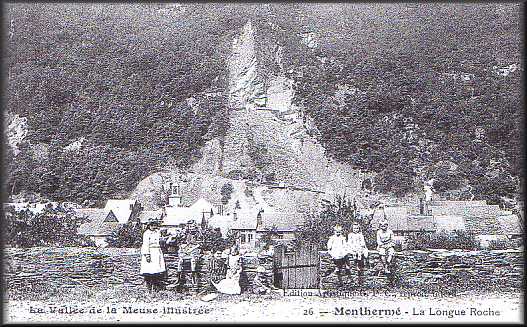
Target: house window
(242, 238)
(249, 238)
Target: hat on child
(337, 228)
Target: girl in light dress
(231, 283)
(357, 250)
(153, 266)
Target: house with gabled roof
(486, 222)
(150, 215)
(124, 210)
(100, 224)
(175, 217)
(401, 222)
(449, 223)
(251, 225)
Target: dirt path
(503, 307)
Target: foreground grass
(122, 293)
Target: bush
(318, 228)
(502, 244)
(226, 191)
(212, 240)
(52, 227)
(129, 235)
(442, 240)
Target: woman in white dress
(152, 261)
(231, 283)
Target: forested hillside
(408, 91)
(117, 76)
(414, 92)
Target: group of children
(352, 249)
(225, 266)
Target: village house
(221, 222)
(100, 224)
(175, 217)
(486, 222)
(251, 225)
(402, 223)
(124, 210)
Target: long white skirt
(229, 285)
(156, 264)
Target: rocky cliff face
(16, 132)
(268, 138)
(246, 87)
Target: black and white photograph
(262, 162)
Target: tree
(51, 227)
(226, 191)
(319, 227)
(129, 235)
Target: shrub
(52, 227)
(226, 191)
(502, 244)
(129, 235)
(318, 228)
(212, 240)
(442, 240)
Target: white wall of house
(247, 238)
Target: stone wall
(37, 270)
(33, 269)
(458, 270)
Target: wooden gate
(298, 269)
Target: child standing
(357, 249)
(337, 249)
(385, 245)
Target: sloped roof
(201, 205)
(397, 218)
(101, 222)
(457, 203)
(449, 223)
(121, 208)
(148, 215)
(245, 219)
(479, 219)
(282, 221)
(174, 216)
(421, 223)
(510, 224)
(465, 208)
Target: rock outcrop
(268, 137)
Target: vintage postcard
(263, 162)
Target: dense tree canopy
(420, 84)
(396, 89)
(119, 76)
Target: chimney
(234, 216)
(259, 220)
